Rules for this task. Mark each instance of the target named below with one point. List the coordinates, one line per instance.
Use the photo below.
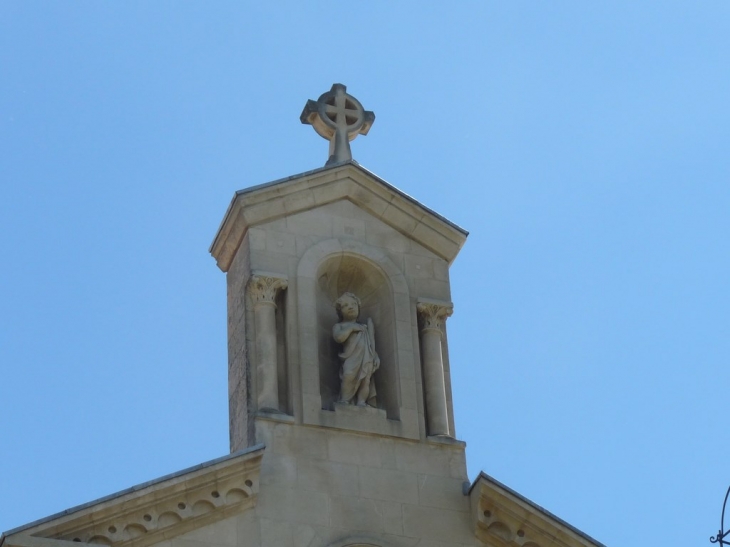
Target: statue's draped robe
(359, 360)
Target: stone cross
(339, 118)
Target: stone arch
(338, 265)
(308, 264)
(357, 541)
(347, 272)
(501, 530)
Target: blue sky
(583, 145)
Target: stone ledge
(444, 439)
(503, 518)
(158, 510)
(275, 417)
(360, 412)
(285, 197)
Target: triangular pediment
(350, 181)
(503, 518)
(155, 511)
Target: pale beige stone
(443, 492)
(184, 505)
(304, 535)
(356, 514)
(392, 518)
(433, 315)
(360, 361)
(262, 260)
(418, 266)
(257, 239)
(311, 223)
(338, 117)
(348, 227)
(276, 532)
(292, 440)
(294, 505)
(281, 243)
(263, 288)
(389, 485)
(359, 450)
(437, 524)
(326, 474)
(223, 533)
(299, 201)
(329, 477)
(424, 459)
(409, 399)
(441, 270)
(499, 516)
(275, 200)
(279, 469)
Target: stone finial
(339, 118)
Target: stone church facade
(341, 417)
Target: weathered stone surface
(359, 357)
(338, 117)
(389, 485)
(180, 506)
(287, 197)
(329, 470)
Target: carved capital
(263, 287)
(432, 314)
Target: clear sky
(584, 145)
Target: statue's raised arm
(359, 359)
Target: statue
(359, 360)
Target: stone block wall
(322, 487)
(281, 246)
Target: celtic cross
(339, 118)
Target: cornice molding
(503, 518)
(346, 181)
(156, 512)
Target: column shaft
(432, 315)
(265, 318)
(263, 289)
(433, 377)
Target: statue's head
(347, 307)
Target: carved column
(432, 316)
(263, 288)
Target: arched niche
(356, 541)
(347, 272)
(324, 272)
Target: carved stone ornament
(359, 359)
(502, 518)
(263, 288)
(149, 514)
(433, 314)
(339, 118)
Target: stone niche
(351, 273)
(308, 239)
(327, 270)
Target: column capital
(433, 313)
(263, 287)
